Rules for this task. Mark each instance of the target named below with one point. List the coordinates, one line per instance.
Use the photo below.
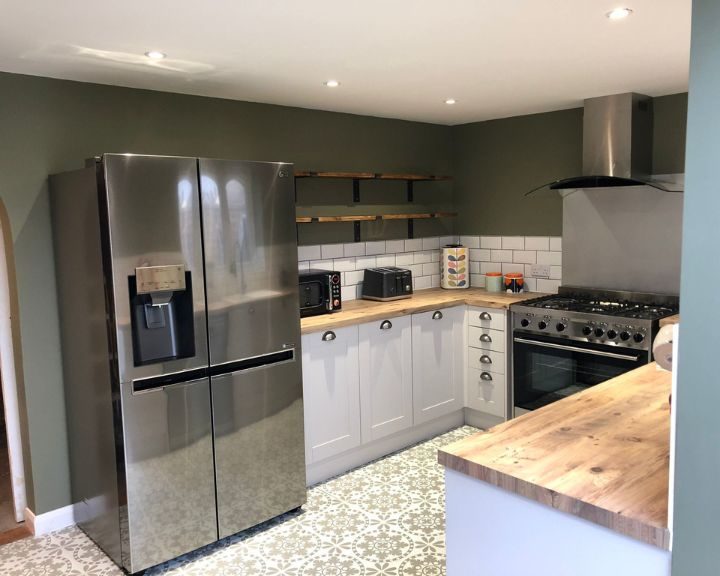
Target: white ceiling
(394, 58)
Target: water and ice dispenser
(161, 309)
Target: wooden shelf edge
(374, 217)
(371, 176)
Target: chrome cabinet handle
(486, 376)
(329, 336)
(485, 359)
(386, 325)
(437, 315)
(485, 338)
(485, 316)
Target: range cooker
(565, 343)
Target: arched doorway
(11, 379)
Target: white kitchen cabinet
(438, 362)
(488, 372)
(331, 391)
(487, 392)
(385, 377)
(487, 338)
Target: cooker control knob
(599, 332)
(560, 326)
(611, 333)
(524, 322)
(639, 337)
(624, 335)
(336, 302)
(335, 279)
(587, 330)
(542, 324)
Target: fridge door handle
(255, 362)
(176, 379)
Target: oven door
(550, 369)
(314, 295)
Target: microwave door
(312, 295)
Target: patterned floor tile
(384, 519)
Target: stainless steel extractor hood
(617, 145)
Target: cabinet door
(438, 362)
(331, 392)
(487, 392)
(385, 377)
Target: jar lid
(514, 275)
(493, 273)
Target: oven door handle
(577, 349)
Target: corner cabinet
(331, 389)
(438, 351)
(385, 377)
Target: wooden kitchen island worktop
(602, 455)
(359, 311)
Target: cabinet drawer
(487, 392)
(486, 360)
(487, 339)
(487, 318)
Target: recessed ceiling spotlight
(619, 13)
(332, 83)
(450, 101)
(155, 55)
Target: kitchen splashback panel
(623, 239)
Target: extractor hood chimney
(617, 144)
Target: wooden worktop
(601, 454)
(670, 320)
(359, 311)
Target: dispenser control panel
(160, 278)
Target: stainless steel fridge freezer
(177, 289)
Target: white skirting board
(50, 521)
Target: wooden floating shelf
(370, 176)
(375, 217)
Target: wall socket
(540, 270)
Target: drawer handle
(486, 376)
(437, 315)
(386, 325)
(485, 359)
(485, 316)
(329, 336)
(485, 338)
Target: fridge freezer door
(153, 224)
(170, 482)
(250, 247)
(259, 444)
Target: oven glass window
(544, 374)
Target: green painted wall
(697, 498)
(498, 161)
(49, 126)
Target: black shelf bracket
(411, 229)
(356, 192)
(410, 192)
(356, 231)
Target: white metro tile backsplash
(422, 257)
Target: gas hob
(612, 318)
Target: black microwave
(319, 292)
